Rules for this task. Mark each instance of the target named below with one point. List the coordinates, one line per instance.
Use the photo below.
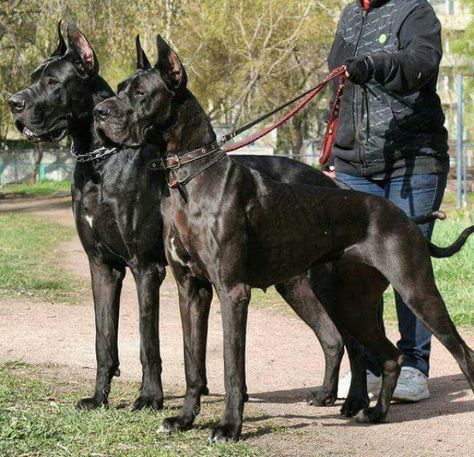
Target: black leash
(245, 127)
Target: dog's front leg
(148, 281)
(234, 310)
(195, 298)
(106, 287)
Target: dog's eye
(139, 93)
(51, 82)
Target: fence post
(459, 146)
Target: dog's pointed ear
(62, 47)
(142, 60)
(82, 49)
(170, 67)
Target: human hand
(359, 70)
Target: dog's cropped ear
(82, 49)
(62, 47)
(142, 60)
(171, 69)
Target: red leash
(331, 128)
(333, 122)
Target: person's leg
(416, 195)
(362, 184)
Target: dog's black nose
(101, 111)
(17, 103)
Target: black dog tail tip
(448, 251)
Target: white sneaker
(412, 385)
(374, 384)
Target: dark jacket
(394, 124)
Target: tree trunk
(298, 135)
(39, 158)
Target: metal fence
(57, 164)
(18, 165)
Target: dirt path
(284, 360)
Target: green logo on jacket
(383, 38)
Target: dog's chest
(181, 245)
(118, 228)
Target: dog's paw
(321, 397)
(88, 404)
(369, 416)
(144, 401)
(174, 425)
(224, 433)
(353, 405)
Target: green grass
(40, 189)
(38, 419)
(29, 264)
(454, 276)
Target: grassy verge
(37, 418)
(454, 276)
(28, 259)
(40, 189)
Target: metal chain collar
(94, 155)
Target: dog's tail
(448, 251)
(430, 217)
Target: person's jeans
(417, 195)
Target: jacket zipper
(357, 134)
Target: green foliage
(28, 259)
(462, 44)
(37, 418)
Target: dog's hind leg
(148, 281)
(106, 287)
(299, 295)
(405, 261)
(439, 323)
(424, 299)
(195, 298)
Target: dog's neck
(82, 132)
(189, 128)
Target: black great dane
(234, 228)
(116, 204)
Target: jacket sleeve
(417, 61)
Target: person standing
(391, 139)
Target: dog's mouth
(105, 139)
(112, 138)
(53, 135)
